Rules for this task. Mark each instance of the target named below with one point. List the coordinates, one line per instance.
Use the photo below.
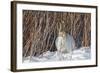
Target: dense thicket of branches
(40, 29)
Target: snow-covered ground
(82, 53)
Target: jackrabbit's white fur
(64, 43)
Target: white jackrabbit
(64, 44)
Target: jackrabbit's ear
(62, 26)
(58, 27)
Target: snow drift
(82, 53)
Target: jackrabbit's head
(62, 34)
(60, 29)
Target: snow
(82, 53)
